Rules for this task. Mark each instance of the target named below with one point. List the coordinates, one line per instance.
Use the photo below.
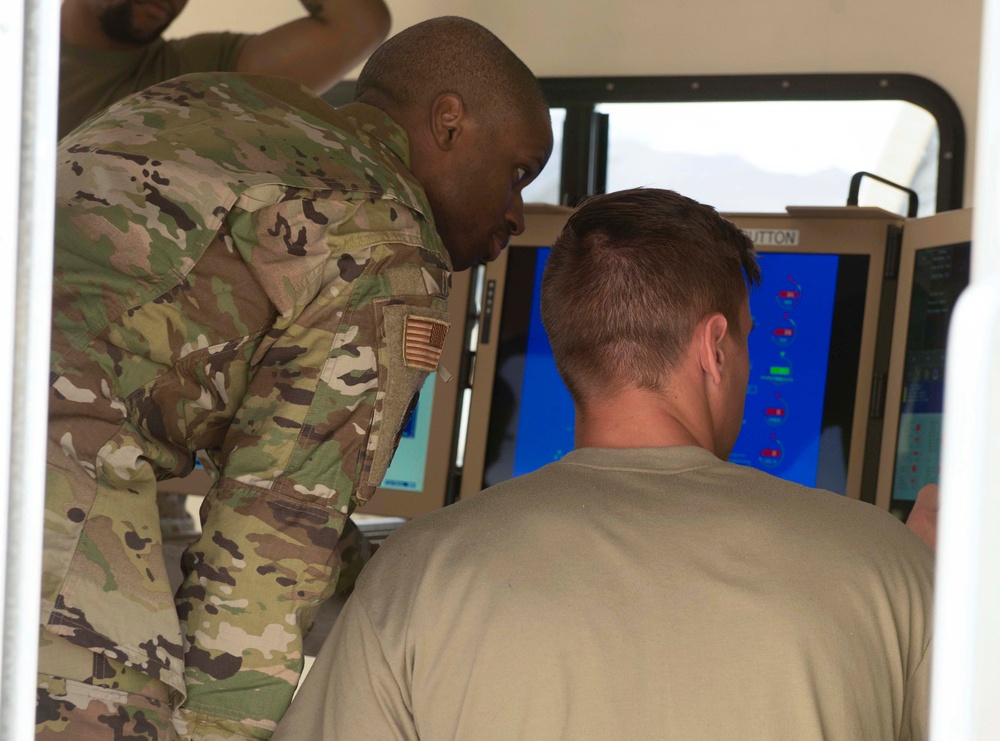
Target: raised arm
(320, 49)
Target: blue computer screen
(789, 353)
(800, 401)
(545, 431)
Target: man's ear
(448, 119)
(709, 335)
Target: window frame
(585, 143)
(585, 132)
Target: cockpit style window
(756, 143)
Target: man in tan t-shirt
(111, 48)
(642, 587)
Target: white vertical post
(29, 57)
(986, 216)
(965, 684)
(966, 661)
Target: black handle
(852, 196)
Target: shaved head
(450, 55)
(477, 125)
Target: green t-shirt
(90, 80)
(655, 593)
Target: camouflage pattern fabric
(238, 270)
(92, 79)
(89, 696)
(355, 551)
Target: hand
(923, 517)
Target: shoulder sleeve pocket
(412, 338)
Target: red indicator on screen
(774, 412)
(784, 332)
(788, 294)
(770, 453)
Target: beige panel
(482, 379)
(542, 224)
(951, 227)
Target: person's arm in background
(320, 49)
(923, 517)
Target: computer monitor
(812, 354)
(422, 467)
(933, 271)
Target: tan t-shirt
(90, 80)
(633, 594)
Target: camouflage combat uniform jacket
(243, 269)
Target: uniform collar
(379, 125)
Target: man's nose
(515, 216)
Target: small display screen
(800, 399)
(939, 276)
(406, 472)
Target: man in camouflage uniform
(244, 270)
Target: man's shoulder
(697, 481)
(271, 129)
(489, 513)
(849, 526)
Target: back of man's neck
(637, 418)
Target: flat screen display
(804, 354)
(409, 463)
(939, 276)
(800, 400)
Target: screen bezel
(932, 232)
(542, 224)
(843, 231)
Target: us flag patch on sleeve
(423, 341)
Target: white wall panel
(934, 39)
